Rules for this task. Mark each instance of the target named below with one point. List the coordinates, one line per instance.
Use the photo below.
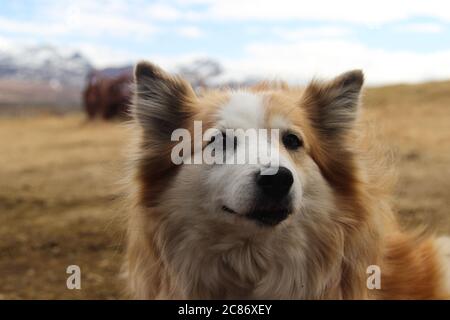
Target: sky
(295, 40)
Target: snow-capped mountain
(45, 64)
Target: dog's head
(305, 136)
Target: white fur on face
(244, 110)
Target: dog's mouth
(263, 216)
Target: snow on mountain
(44, 64)
(54, 76)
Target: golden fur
(167, 259)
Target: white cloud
(301, 54)
(421, 28)
(190, 32)
(354, 11)
(6, 44)
(316, 32)
(92, 25)
(140, 19)
(299, 62)
(25, 27)
(162, 11)
(105, 56)
(82, 18)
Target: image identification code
(232, 309)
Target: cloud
(421, 28)
(6, 44)
(190, 32)
(82, 18)
(111, 32)
(352, 11)
(162, 11)
(299, 62)
(105, 56)
(25, 27)
(292, 34)
(296, 62)
(141, 19)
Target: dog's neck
(213, 263)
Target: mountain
(44, 64)
(54, 77)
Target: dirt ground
(59, 190)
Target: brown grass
(57, 192)
(58, 189)
(415, 122)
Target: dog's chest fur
(205, 262)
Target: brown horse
(106, 97)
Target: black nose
(276, 185)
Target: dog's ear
(332, 106)
(162, 102)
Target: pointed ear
(162, 103)
(332, 106)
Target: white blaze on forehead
(243, 110)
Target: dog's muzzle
(273, 204)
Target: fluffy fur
(182, 245)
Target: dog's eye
(291, 141)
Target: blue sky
(393, 41)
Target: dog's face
(305, 133)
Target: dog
(320, 226)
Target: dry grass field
(58, 189)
